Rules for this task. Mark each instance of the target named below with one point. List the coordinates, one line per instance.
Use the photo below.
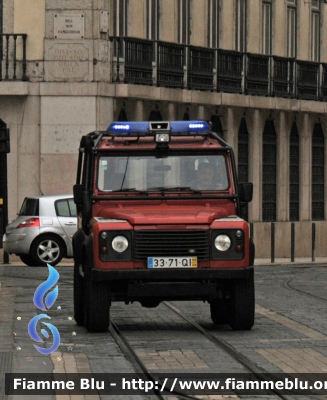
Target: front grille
(171, 244)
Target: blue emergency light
(145, 128)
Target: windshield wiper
(171, 189)
(131, 190)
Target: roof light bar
(145, 128)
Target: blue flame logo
(44, 300)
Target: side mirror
(245, 191)
(78, 194)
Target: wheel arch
(50, 233)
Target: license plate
(172, 262)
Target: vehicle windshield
(175, 172)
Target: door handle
(70, 223)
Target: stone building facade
(255, 68)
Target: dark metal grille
(318, 175)
(201, 68)
(138, 61)
(243, 160)
(283, 77)
(307, 80)
(230, 67)
(257, 78)
(269, 172)
(171, 60)
(174, 243)
(294, 174)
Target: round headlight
(222, 242)
(119, 244)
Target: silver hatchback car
(42, 233)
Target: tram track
(302, 292)
(255, 372)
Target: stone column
(233, 118)
(139, 110)
(305, 133)
(171, 112)
(200, 112)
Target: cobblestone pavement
(289, 335)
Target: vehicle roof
(187, 143)
(51, 197)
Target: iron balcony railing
(12, 68)
(159, 63)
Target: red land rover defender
(159, 219)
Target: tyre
(47, 249)
(78, 295)
(79, 255)
(219, 312)
(96, 299)
(27, 259)
(242, 305)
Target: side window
(72, 208)
(62, 208)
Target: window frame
(291, 42)
(240, 25)
(183, 21)
(213, 24)
(152, 19)
(266, 29)
(315, 33)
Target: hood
(166, 214)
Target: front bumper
(172, 274)
(176, 284)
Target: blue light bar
(190, 127)
(177, 128)
(128, 128)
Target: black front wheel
(97, 298)
(242, 305)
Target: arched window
(294, 174)
(318, 173)
(269, 172)
(243, 160)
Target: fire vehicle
(159, 210)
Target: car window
(30, 207)
(72, 207)
(66, 208)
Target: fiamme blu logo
(44, 298)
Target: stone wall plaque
(68, 26)
(104, 21)
(68, 61)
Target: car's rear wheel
(47, 249)
(27, 259)
(242, 305)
